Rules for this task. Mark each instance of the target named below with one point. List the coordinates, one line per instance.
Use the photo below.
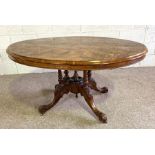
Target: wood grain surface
(77, 53)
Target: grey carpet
(130, 102)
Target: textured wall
(10, 34)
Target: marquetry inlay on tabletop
(76, 52)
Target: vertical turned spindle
(75, 75)
(89, 75)
(59, 76)
(85, 77)
(66, 72)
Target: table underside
(77, 85)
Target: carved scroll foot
(93, 85)
(85, 92)
(60, 90)
(43, 108)
(102, 117)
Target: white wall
(12, 33)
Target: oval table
(78, 54)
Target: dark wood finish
(89, 75)
(76, 85)
(85, 77)
(77, 53)
(59, 76)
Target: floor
(130, 102)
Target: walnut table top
(77, 53)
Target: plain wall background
(13, 33)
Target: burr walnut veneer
(78, 54)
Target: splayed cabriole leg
(93, 84)
(85, 92)
(76, 85)
(60, 90)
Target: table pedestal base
(76, 85)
